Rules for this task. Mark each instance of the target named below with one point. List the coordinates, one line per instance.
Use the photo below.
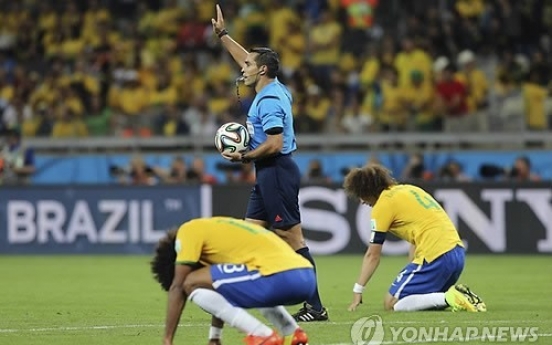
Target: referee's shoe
(307, 314)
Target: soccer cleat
(474, 299)
(273, 339)
(458, 301)
(307, 314)
(461, 298)
(299, 337)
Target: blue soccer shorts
(275, 196)
(437, 276)
(249, 289)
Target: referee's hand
(218, 25)
(232, 156)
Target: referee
(273, 202)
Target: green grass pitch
(84, 300)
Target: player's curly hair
(162, 265)
(368, 181)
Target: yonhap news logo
(372, 331)
(368, 331)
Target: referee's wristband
(222, 33)
(357, 288)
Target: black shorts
(275, 196)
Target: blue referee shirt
(271, 108)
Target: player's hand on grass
(232, 156)
(357, 299)
(218, 25)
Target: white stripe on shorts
(408, 279)
(220, 282)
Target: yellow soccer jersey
(412, 214)
(220, 240)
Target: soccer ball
(232, 137)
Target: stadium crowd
(418, 168)
(149, 67)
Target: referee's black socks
(315, 301)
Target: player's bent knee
(196, 280)
(389, 302)
(191, 285)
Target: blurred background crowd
(152, 67)
(143, 68)
(417, 169)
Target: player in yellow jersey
(226, 265)
(437, 254)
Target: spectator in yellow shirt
(68, 126)
(94, 14)
(168, 17)
(19, 13)
(6, 89)
(47, 17)
(146, 18)
(278, 17)
(325, 43)
(131, 103)
(370, 68)
(392, 115)
(72, 101)
(534, 96)
(474, 80)
(469, 8)
(193, 84)
(220, 101)
(205, 10)
(412, 58)
(219, 71)
(292, 48)
(72, 45)
(132, 99)
(84, 79)
(173, 123)
(418, 99)
(165, 93)
(317, 107)
(47, 91)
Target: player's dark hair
(368, 181)
(269, 58)
(162, 265)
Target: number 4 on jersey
(426, 202)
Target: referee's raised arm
(234, 48)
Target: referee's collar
(273, 82)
